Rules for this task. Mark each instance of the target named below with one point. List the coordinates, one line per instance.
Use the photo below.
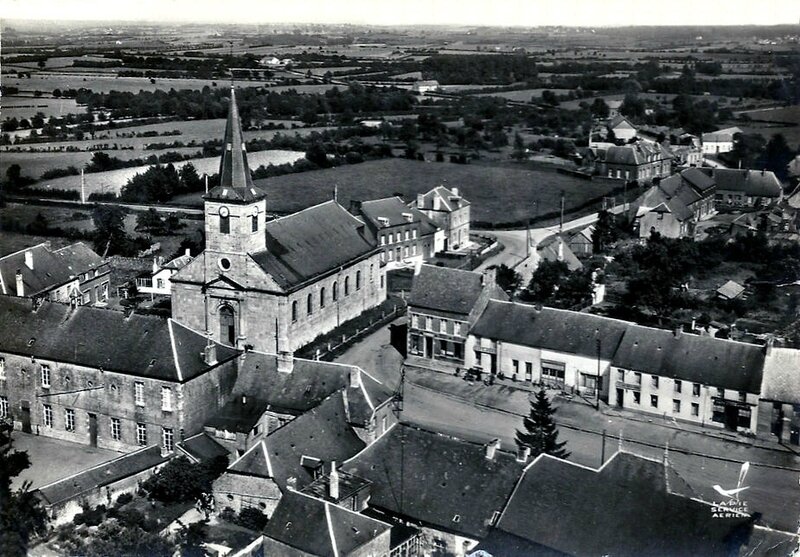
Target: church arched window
(309, 305)
(294, 311)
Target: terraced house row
(466, 323)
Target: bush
(123, 499)
(181, 480)
(252, 518)
(91, 517)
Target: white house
(720, 141)
(157, 281)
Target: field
(25, 107)
(524, 95)
(47, 81)
(784, 120)
(497, 193)
(113, 180)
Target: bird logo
(734, 493)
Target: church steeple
(235, 183)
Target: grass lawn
(500, 193)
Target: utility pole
(603, 449)
(597, 383)
(561, 220)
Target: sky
(585, 13)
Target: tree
(545, 281)
(21, 515)
(605, 232)
(109, 224)
(540, 433)
(599, 108)
(519, 147)
(508, 279)
(149, 221)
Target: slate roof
(620, 120)
(323, 433)
(49, 271)
(101, 475)
(444, 289)
(622, 509)
(309, 383)
(698, 179)
(439, 480)
(178, 263)
(552, 329)
(730, 290)
(724, 135)
(656, 196)
(138, 345)
(79, 258)
(393, 209)
(548, 250)
(699, 359)
(756, 183)
(635, 153)
(316, 527)
(444, 194)
(235, 182)
(312, 242)
(202, 447)
(781, 380)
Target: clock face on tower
(223, 212)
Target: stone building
(101, 378)
(450, 212)
(273, 286)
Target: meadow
(500, 194)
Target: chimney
(20, 284)
(29, 259)
(420, 200)
(523, 454)
(285, 361)
(489, 277)
(437, 205)
(491, 448)
(210, 353)
(454, 190)
(355, 377)
(333, 482)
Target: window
(309, 305)
(116, 432)
(160, 283)
(69, 419)
(637, 378)
(678, 386)
(676, 406)
(48, 415)
(695, 389)
(720, 392)
(382, 278)
(654, 401)
(406, 235)
(138, 393)
(654, 381)
(383, 240)
(405, 251)
(358, 280)
(695, 409)
(742, 396)
(478, 358)
(166, 399)
(429, 323)
(45, 376)
(391, 237)
(415, 321)
(335, 293)
(553, 373)
(383, 257)
(414, 250)
(141, 434)
(621, 375)
(637, 397)
(322, 297)
(294, 311)
(371, 273)
(443, 326)
(456, 328)
(167, 439)
(515, 366)
(254, 223)
(225, 224)
(347, 282)
(3, 407)
(2, 368)
(414, 234)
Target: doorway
(93, 429)
(227, 326)
(731, 417)
(620, 397)
(26, 416)
(429, 347)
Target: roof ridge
(96, 467)
(330, 529)
(40, 244)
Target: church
(273, 286)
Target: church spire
(235, 182)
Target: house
(621, 128)
(613, 107)
(442, 307)
(698, 379)
(304, 525)
(106, 379)
(453, 490)
(73, 274)
(544, 346)
(450, 212)
(291, 457)
(406, 236)
(745, 188)
(98, 485)
(158, 281)
(581, 243)
(270, 391)
(779, 405)
(637, 162)
(720, 141)
(555, 248)
(730, 290)
(425, 86)
(273, 286)
(675, 205)
(275, 62)
(630, 506)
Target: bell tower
(235, 209)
